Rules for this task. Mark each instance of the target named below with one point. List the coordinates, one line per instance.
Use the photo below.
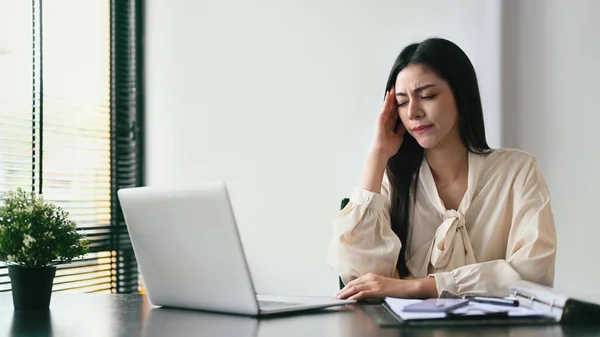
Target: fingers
(389, 105)
(368, 286)
(362, 295)
(348, 291)
(393, 117)
(355, 286)
(389, 114)
(358, 281)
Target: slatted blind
(127, 122)
(17, 100)
(71, 129)
(76, 127)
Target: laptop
(190, 255)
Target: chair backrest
(345, 201)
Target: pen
(494, 300)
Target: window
(71, 123)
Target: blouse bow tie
(450, 248)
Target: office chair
(345, 201)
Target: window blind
(127, 156)
(75, 172)
(18, 100)
(76, 128)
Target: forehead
(415, 75)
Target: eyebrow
(417, 90)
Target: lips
(422, 129)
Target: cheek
(449, 118)
(451, 108)
(443, 114)
(403, 116)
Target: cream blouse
(502, 231)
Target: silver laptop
(190, 255)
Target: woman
(438, 209)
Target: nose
(414, 110)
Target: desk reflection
(176, 322)
(31, 323)
(348, 322)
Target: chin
(427, 146)
(427, 142)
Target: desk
(108, 315)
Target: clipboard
(558, 309)
(386, 316)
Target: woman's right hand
(387, 143)
(388, 140)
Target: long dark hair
(451, 64)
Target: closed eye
(427, 97)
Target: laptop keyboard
(275, 305)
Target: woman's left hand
(379, 287)
(370, 286)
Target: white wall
(279, 98)
(551, 50)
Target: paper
(472, 309)
(397, 305)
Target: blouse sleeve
(363, 241)
(530, 251)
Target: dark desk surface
(131, 315)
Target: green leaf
(37, 233)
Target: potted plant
(35, 236)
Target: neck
(448, 161)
